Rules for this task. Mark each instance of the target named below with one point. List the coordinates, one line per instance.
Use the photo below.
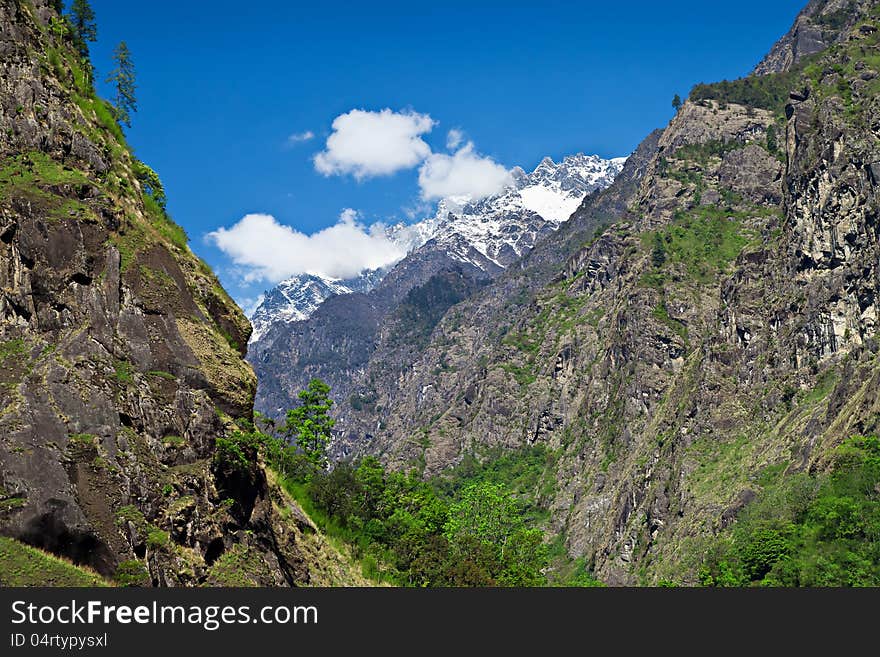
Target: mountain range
(694, 343)
(489, 234)
(670, 363)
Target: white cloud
(367, 144)
(417, 209)
(270, 251)
(348, 215)
(463, 174)
(299, 137)
(454, 138)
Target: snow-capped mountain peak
(294, 299)
(488, 233)
(505, 226)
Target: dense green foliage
(807, 530)
(407, 534)
(150, 182)
(768, 92)
(831, 72)
(238, 450)
(528, 472)
(131, 573)
(471, 528)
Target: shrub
(808, 530)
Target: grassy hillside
(23, 565)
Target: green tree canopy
(309, 425)
(489, 515)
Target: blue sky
(223, 85)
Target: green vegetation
(229, 339)
(838, 72)
(157, 538)
(38, 178)
(661, 312)
(85, 29)
(524, 375)
(658, 252)
(807, 529)
(173, 441)
(528, 472)
(168, 376)
(100, 111)
(161, 222)
(721, 466)
(123, 371)
(150, 182)
(239, 566)
(469, 528)
(37, 168)
(705, 240)
(102, 127)
(238, 451)
(582, 577)
(406, 534)
(561, 312)
(309, 425)
(702, 153)
(829, 73)
(12, 348)
(83, 439)
(769, 92)
(773, 146)
(12, 503)
(23, 565)
(122, 79)
(130, 513)
(131, 573)
(824, 385)
(296, 449)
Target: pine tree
(85, 30)
(676, 103)
(122, 77)
(310, 424)
(58, 5)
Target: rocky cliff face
(724, 324)
(821, 24)
(121, 357)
